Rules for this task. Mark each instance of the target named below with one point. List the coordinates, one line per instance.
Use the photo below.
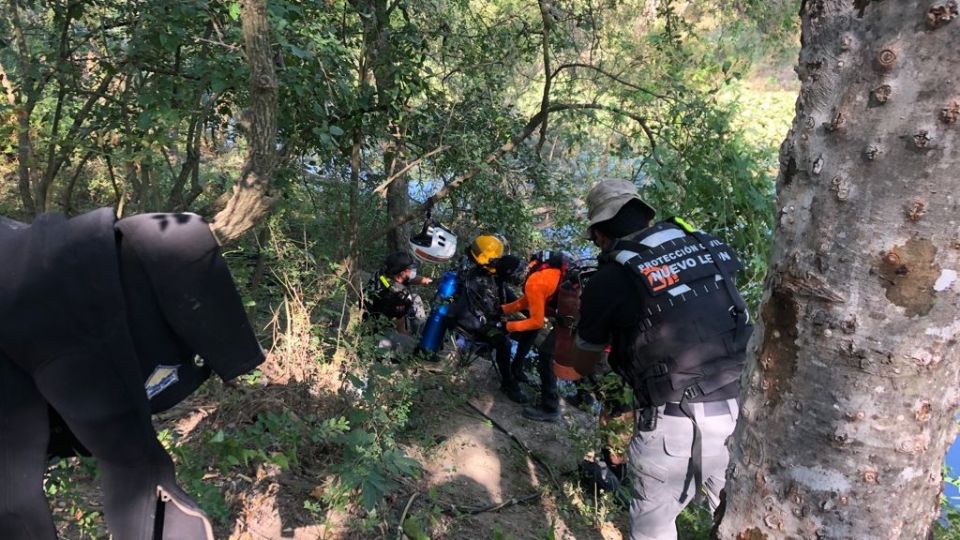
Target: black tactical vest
(693, 330)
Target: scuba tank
(435, 327)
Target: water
(953, 462)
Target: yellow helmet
(486, 248)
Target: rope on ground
(494, 507)
(522, 445)
(403, 516)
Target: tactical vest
(694, 327)
(388, 298)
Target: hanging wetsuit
(67, 331)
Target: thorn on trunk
(950, 113)
(941, 13)
(881, 94)
(915, 210)
(886, 59)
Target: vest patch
(163, 377)
(673, 268)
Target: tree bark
(25, 100)
(852, 384)
(380, 57)
(251, 200)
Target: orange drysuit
(539, 287)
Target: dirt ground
(487, 471)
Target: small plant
(948, 526)
(61, 485)
(371, 459)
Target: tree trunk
(24, 100)
(852, 386)
(380, 58)
(398, 196)
(250, 200)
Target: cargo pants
(658, 462)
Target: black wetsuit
(67, 340)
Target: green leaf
(414, 529)
(336, 131)
(234, 11)
(300, 53)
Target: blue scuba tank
(435, 327)
(448, 285)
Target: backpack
(567, 301)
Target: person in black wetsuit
(483, 288)
(102, 322)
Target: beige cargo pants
(658, 461)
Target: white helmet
(434, 244)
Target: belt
(710, 408)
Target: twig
(506, 148)
(229, 47)
(382, 188)
(403, 516)
(612, 76)
(505, 504)
(521, 444)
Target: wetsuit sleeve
(194, 289)
(536, 292)
(517, 305)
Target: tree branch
(382, 188)
(545, 100)
(67, 202)
(613, 77)
(71, 136)
(636, 118)
(61, 93)
(507, 147)
(25, 103)
(116, 186)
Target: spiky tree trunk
(851, 392)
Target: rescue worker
(476, 309)
(665, 298)
(545, 270)
(101, 324)
(389, 297)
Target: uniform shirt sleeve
(599, 304)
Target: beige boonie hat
(607, 197)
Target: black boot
(520, 375)
(541, 414)
(515, 394)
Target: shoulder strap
(739, 306)
(728, 280)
